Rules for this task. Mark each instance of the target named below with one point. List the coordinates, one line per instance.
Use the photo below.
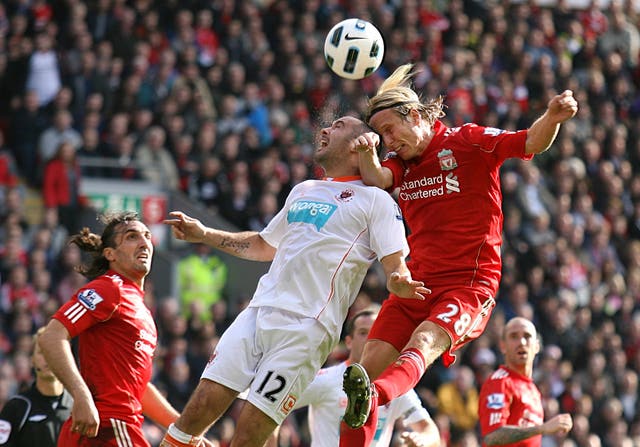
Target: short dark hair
(351, 323)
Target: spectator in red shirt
(17, 293)
(8, 174)
(61, 186)
(510, 407)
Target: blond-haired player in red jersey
(449, 193)
(510, 405)
(116, 341)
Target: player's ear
(414, 116)
(348, 341)
(108, 254)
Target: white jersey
(327, 403)
(327, 235)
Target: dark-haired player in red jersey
(449, 192)
(116, 341)
(510, 405)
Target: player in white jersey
(321, 245)
(327, 401)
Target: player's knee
(429, 337)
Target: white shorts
(274, 354)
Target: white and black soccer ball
(354, 49)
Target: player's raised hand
(366, 142)
(185, 227)
(560, 424)
(405, 287)
(415, 439)
(563, 106)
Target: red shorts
(115, 433)
(463, 312)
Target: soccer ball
(354, 49)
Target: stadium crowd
(220, 99)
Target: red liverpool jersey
(451, 199)
(116, 341)
(509, 398)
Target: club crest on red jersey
(346, 195)
(447, 160)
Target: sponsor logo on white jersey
(311, 212)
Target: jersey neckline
(346, 178)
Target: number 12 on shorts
(271, 386)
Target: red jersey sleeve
(494, 402)
(501, 143)
(92, 304)
(396, 166)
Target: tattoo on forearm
(508, 435)
(235, 246)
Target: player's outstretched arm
(245, 244)
(560, 424)
(399, 281)
(508, 434)
(544, 130)
(157, 408)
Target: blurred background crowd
(220, 100)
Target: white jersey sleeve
(276, 228)
(383, 223)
